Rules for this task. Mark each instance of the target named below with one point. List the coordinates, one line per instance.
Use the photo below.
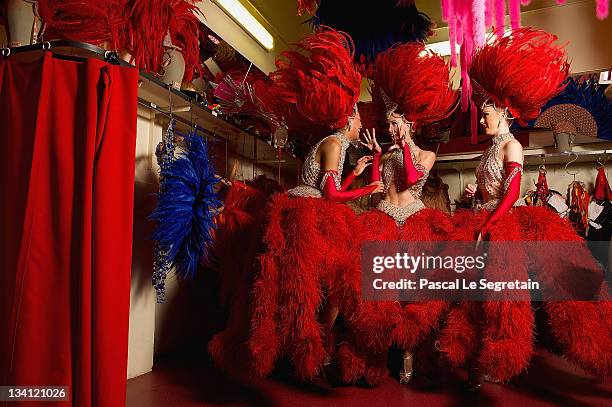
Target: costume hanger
(601, 162)
(570, 162)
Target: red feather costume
(520, 73)
(307, 230)
(241, 225)
(416, 83)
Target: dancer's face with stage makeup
(354, 127)
(399, 128)
(493, 120)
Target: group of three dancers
(307, 271)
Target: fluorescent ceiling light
(246, 20)
(441, 48)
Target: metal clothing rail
(58, 45)
(153, 106)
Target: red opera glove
(375, 174)
(411, 173)
(348, 181)
(512, 187)
(333, 194)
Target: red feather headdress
(520, 72)
(316, 86)
(94, 22)
(415, 82)
(149, 24)
(184, 32)
(139, 26)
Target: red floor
(191, 381)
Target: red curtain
(67, 145)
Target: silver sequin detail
(490, 173)
(400, 213)
(305, 191)
(393, 172)
(313, 177)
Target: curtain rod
(51, 46)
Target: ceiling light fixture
(441, 48)
(243, 17)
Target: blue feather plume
(590, 96)
(186, 207)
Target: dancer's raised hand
(370, 141)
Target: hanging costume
(520, 72)
(241, 226)
(307, 230)
(600, 217)
(414, 83)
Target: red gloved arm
(375, 174)
(512, 186)
(412, 174)
(333, 194)
(347, 181)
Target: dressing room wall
(158, 328)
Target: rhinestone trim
(313, 175)
(400, 213)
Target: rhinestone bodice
(490, 174)
(313, 177)
(393, 172)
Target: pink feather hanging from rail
(468, 21)
(602, 9)
(515, 14)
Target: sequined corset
(313, 177)
(490, 173)
(393, 172)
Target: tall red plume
(417, 80)
(521, 72)
(148, 24)
(184, 33)
(144, 35)
(317, 83)
(94, 22)
(325, 84)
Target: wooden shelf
(160, 96)
(533, 156)
(157, 96)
